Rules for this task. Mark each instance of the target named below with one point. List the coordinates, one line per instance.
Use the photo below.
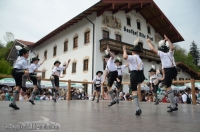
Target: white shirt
(21, 98)
(58, 70)
(33, 67)
(153, 78)
(133, 63)
(167, 59)
(97, 80)
(110, 67)
(184, 97)
(120, 69)
(21, 63)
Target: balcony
(117, 47)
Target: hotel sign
(140, 34)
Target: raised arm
(67, 63)
(170, 44)
(111, 54)
(151, 46)
(44, 58)
(125, 56)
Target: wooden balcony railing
(117, 47)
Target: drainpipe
(92, 50)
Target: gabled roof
(147, 8)
(187, 69)
(27, 43)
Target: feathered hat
(57, 61)
(136, 45)
(163, 46)
(118, 59)
(21, 50)
(99, 72)
(153, 69)
(35, 58)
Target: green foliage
(194, 51)
(4, 51)
(5, 67)
(180, 55)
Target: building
(84, 38)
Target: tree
(194, 51)
(5, 67)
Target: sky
(33, 19)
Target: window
(37, 55)
(118, 37)
(54, 50)
(187, 79)
(105, 34)
(181, 78)
(128, 19)
(65, 46)
(141, 45)
(85, 65)
(74, 67)
(149, 29)
(87, 37)
(64, 71)
(138, 25)
(43, 74)
(75, 42)
(45, 54)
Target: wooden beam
(160, 29)
(153, 18)
(143, 7)
(99, 13)
(174, 37)
(133, 7)
(126, 1)
(116, 10)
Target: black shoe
(156, 103)
(138, 112)
(14, 106)
(32, 102)
(97, 101)
(117, 101)
(170, 106)
(172, 109)
(112, 103)
(54, 99)
(24, 89)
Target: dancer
(97, 85)
(153, 82)
(120, 70)
(136, 67)
(166, 53)
(57, 69)
(33, 70)
(20, 69)
(111, 74)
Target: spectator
(21, 96)
(186, 96)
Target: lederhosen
(155, 87)
(170, 74)
(120, 78)
(33, 77)
(56, 79)
(97, 88)
(136, 77)
(17, 75)
(112, 75)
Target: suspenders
(138, 66)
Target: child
(97, 85)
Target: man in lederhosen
(166, 53)
(97, 85)
(20, 69)
(111, 74)
(153, 81)
(57, 69)
(136, 67)
(120, 70)
(33, 70)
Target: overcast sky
(33, 19)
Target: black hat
(56, 62)
(117, 60)
(33, 59)
(196, 88)
(107, 56)
(163, 48)
(99, 72)
(23, 51)
(137, 48)
(152, 70)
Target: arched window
(54, 50)
(118, 36)
(66, 45)
(105, 32)
(138, 24)
(128, 20)
(75, 42)
(45, 53)
(148, 29)
(87, 36)
(85, 63)
(74, 63)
